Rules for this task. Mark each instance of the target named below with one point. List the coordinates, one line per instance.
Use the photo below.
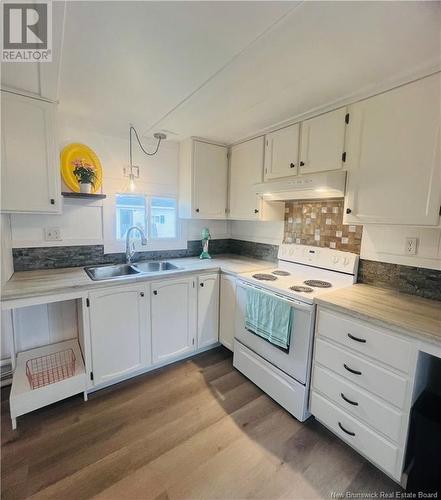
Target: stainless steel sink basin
(154, 267)
(98, 273)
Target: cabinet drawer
(384, 383)
(358, 402)
(367, 442)
(283, 389)
(364, 339)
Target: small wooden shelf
(88, 196)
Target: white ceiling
(226, 70)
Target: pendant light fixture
(132, 171)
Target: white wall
(258, 232)
(90, 223)
(387, 243)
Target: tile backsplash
(320, 223)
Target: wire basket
(51, 368)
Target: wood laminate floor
(195, 430)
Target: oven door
(296, 361)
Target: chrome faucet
(130, 246)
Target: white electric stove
(301, 274)
(305, 272)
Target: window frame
(114, 245)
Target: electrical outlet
(52, 234)
(411, 246)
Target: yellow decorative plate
(69, 155)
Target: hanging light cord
(132, 128)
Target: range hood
(304, 187)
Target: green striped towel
(268, 317)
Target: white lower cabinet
(360, 389)
(227, 310)
(208, 310)
(173, 310)
(120, 333)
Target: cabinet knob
(292, 165)
(201, 284)
(142, 294)
(52, 201)
(155, 292)
(348, 211)
(256, 211)
(197, 210)
(302, 163)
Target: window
(130, 211)
(133, 210)
(163, 219)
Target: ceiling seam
(228, 63)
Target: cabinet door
(119, 331)
(322, 142)
(208, 310)
(246, 169)
(173, 318)
(393, 156)
(30, 172)
(227, 310)
(210, 178)
(282, 152)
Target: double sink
(113, 271)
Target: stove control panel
(325, 258)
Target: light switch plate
(52, 234)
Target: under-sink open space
(40, 338)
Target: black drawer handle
(357, 339)
(344, 430)
(355, 372)
(348, 400)
(201, 284)
(292, 165)
(142, 294)
(155, 292)
(302, 163)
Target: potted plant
(85, 174)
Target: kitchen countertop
(29, 284)
(414, 316)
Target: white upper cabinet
(322, 142)
(393, 156)
(34, 78)
(208, 310)
(30, 171)
(173, 318)
(120, 334)
(246, 166)
(282, 152)
(203, 180)
(246, 170)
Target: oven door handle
(292, 302)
